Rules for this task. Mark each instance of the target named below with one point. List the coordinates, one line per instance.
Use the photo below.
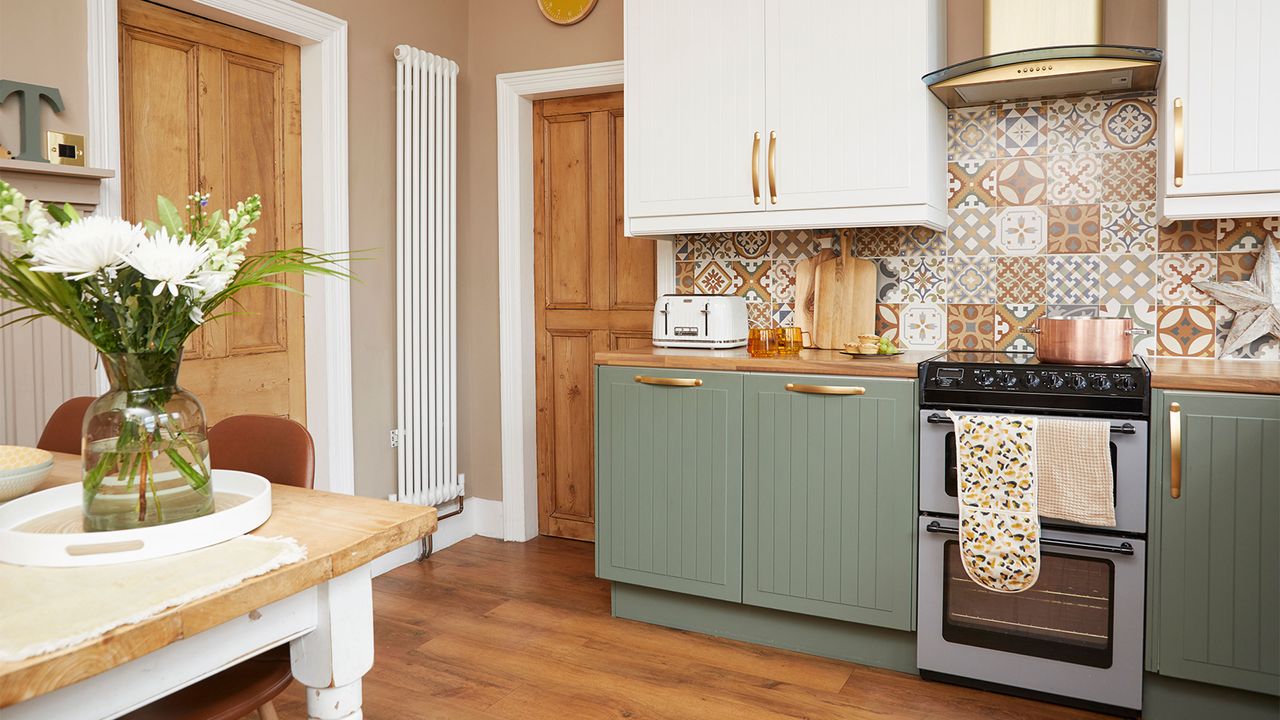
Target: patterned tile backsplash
(1052, 208)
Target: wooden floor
(522, 631)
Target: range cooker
(1076, 636)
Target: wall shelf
(56, 184)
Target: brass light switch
(64, 148)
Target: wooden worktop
(1247, 376)
(340, 532)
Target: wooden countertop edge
(25, 679)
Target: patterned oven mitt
(999, 519)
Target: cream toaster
(700, 321)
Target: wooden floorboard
(488, 630)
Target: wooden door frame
(322, 39)
(517, 364)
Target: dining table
(322, 606)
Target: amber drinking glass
(761, 342)
(790, 340)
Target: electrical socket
(395, 437)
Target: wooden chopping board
(845, 299)
(806, 290)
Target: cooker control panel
(1057, 380)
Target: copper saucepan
(1085, 340)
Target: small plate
(877, 355)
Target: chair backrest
(63, 431)
(277, 448)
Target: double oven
(1076, 636)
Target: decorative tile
(1020, 181)
(1021, 129)
(759, 314)
(1128, 227)
(1074, 179)
(921, 241)
(1128, 278)
(793, 244)
(1011, 324)
(1243, 234)
(784, 315)
(1178, 270)
(1129, 175)
(888, 280)
(1266, 347)
(682, 247)
(924, 279)
(971, 183)
(711, 277)
(878, 241)
(754, 284)
(1130, 124)
(972, 232)
(1067, 311)
(887, 319)
(971, 134)
(1022, 230)
(1185, 331)
(1189, 236)
(1074, 126)
(713, 246)
(1144, 318)
(1073, 229)
(1072, 279)
(971, 279)
(685, 272)
(1234, 267)
(971, 327)
(923, 326)
(781, 281)
(751, 245)
(1020, 279)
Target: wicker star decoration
(1256, 301)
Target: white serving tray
(34, 528)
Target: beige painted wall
(24, 57)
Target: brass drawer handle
(1175, 450)
(755, 168)
(773, 179)
(1179, 142)
(669, 382)
(826, 389)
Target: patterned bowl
(22, 469)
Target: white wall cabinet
(848, 133)
(1219, 147)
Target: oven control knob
(1056, 381)
(1078, 382)
(985, 378)
(1125, 383)
(1033, 380)
(1102, 382)
(1010, 381)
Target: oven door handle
(1124, 548)
(940, 419)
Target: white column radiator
(426, 277)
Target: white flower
(196, 315)
(172, 262)
(211, 282)
(86, 247)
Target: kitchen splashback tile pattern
(1052, 213)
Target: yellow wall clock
(566, 12)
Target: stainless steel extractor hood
(1065, 58)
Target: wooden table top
(1245, 376)
(340, 532)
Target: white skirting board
(481, 517)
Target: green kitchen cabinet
(669, 480)
(829, 501)
(1214, 586)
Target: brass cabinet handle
(826, 389)
(1175, 450)
(1179, 142)
(773, 180)
(669, 382)
(755, 168)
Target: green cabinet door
(1215, 574)
(669, 480)
(829, 508)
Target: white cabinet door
(694, 102)
(854, 121)
(1222, 65)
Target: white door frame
(516, 93)
(323, 42)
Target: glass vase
(146, 456)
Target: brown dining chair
(280, 450)
(65, 427)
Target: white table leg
(331, 659)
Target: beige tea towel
(1074, 471)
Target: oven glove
(999, 520)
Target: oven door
(1077, 633)
(938, 477)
